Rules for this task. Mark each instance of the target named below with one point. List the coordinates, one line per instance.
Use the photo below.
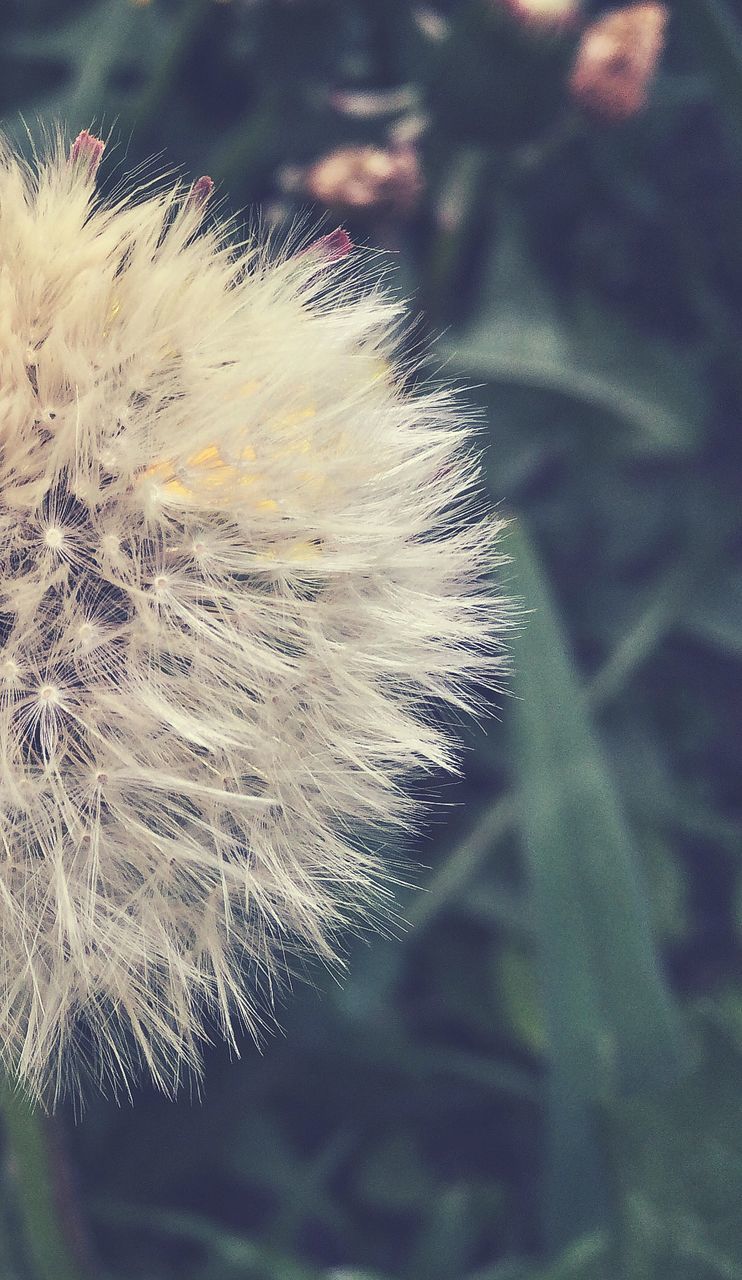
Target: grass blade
(612, 1022)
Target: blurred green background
(542, 1076)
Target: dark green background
(541, 1076)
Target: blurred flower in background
(544, 16)
(366, 178)
(617, 59)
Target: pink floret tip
(200, 192)
(333, 247)
(87, 150)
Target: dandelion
(240, 572)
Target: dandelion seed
(241, 563)
(54, 538)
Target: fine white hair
(243, 566)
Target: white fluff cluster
(238, 574)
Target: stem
(52, 1237)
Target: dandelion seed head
(242, 563)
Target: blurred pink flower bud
(367, 177)
(543, 16)
(616, 61)
(366, 104)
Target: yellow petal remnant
(206, 476)
(113, 311)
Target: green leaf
(611, 1022)
(518, 998)
(677, 1161)
(30, 1146)
(712, 26)
(717, 616)
(393, 1176)
(90, 43)
(93, 44)
(586, 353)
(242, 1256)
(585, 1259)
(443, 1243)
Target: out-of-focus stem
(47, 1213)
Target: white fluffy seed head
(239, 571)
